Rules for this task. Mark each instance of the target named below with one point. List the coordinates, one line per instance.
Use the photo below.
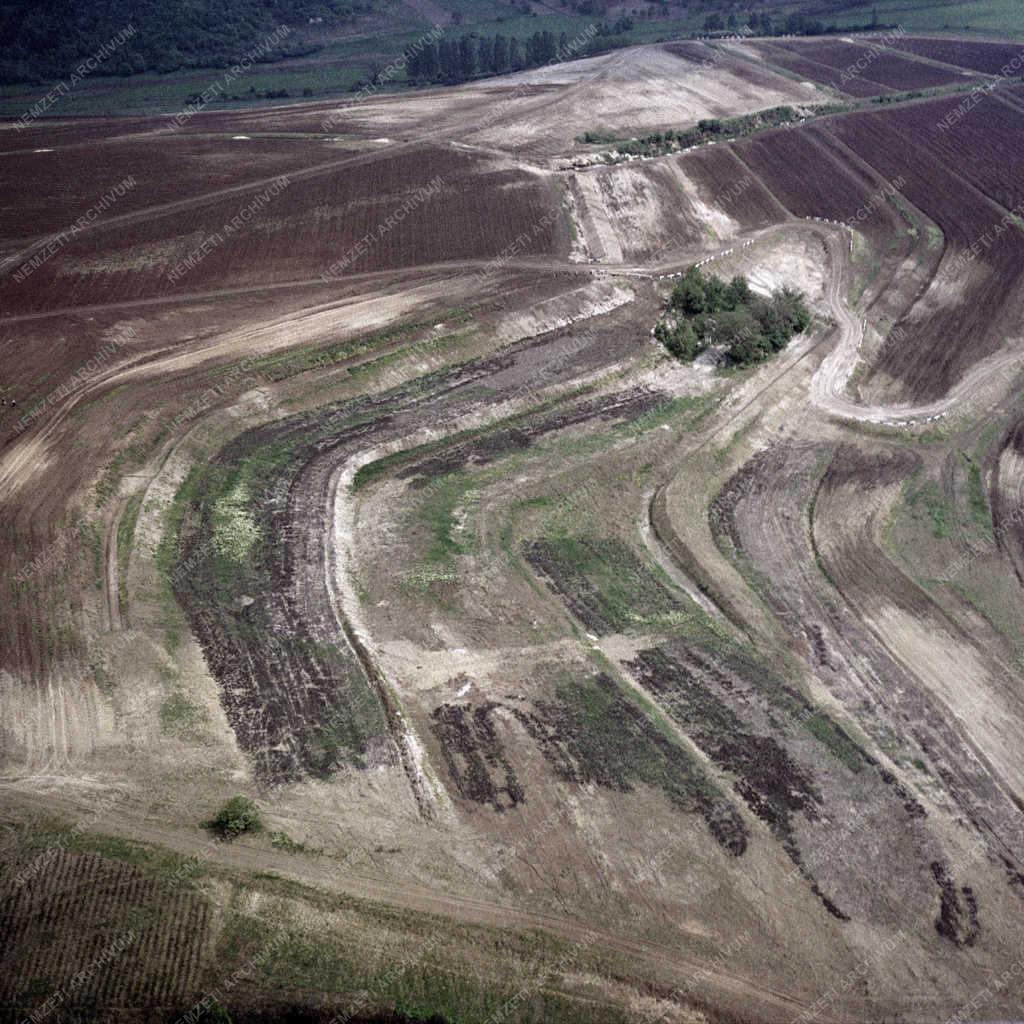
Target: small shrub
(238, 815)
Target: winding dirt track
(828, 388)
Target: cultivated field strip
(338, 212)
(873, 65)
(136, 941)
(990, 58)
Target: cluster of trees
(196, 98)
(670, 140)
(704, 311)
(794, 24)
(470, 56)
(47, 41)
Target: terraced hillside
(344, 471)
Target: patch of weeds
(283, 841)
(605, 584)
(90, 533)
(418, 979)
(977, 500)
(593, 732)
(430, 346)
(296, 361)
(234, 529)
(125, 539)
(180, 717)
(449, 502)
(823, 729)
(424, 578)
(167, 558)
(989, 607)
(100, 674)
(611, 741)
(933, 435)
(928, 501)
(133, 455)
(379, 468)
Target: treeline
(47, 41)
(761, 23)
(704, 311)
(706, 130)
(451, 61)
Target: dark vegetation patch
(119, 932)
(589, 734)
(474, 754)
(769, 22)
(303, 703)
(270, 1012)
(48, 42)
(452, 61)
(773, 784)
(623, 407)
(910, 803)
(769, 780)
(927, 502)
(238, 816)
(958, 909)
(604, 584)
(704, 311)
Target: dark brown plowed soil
(811, 178)
(732, 186)
(815, 71)
(418, 207)
(873, 65)
(989, 58)
(975, 300)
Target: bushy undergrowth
(705, 311)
